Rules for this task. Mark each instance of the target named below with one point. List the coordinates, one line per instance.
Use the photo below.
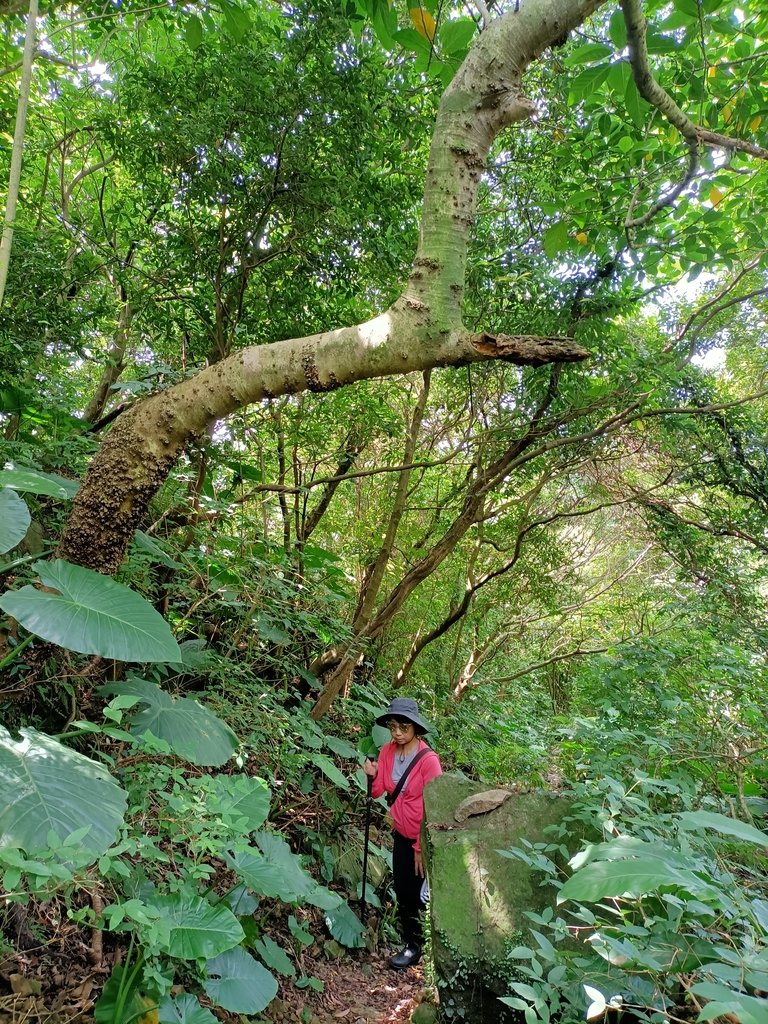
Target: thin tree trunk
(311, 521)
(343, 660)
(115, 365)
(375, 576)
(14, 177)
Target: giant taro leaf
(183, 1009)
(239, 798)
(273, 872)
(274, 956)
(345, 926)
(258, 874)
(91, 614)
(190, 730)
(329, 769)
(36, 482)
(14, 520)
(198, 929)
(120, 1001)
(239, 983)
(45, 785)
(278, 852)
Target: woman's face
(402, 732)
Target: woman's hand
(370, 768)
(419, 863)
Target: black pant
(407, 890)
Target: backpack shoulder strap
(391, 797)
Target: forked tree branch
(659, 98)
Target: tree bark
(421, 330)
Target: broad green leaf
(555, 239)
(456, 35)
(514, 1002)
(341, 747)
(410, 39)
(602, 879)
(239, 983)
(45, 785)
(310, 982)
(587, 84)
(277, 852)
(626, 847)
(345, 926)
(721, 1000)
(274, 956)
(302, 936)
(380, 736)
(636, 105)
(385, 25)
(259, 874)
(184, 1009)
(145, 543)
(617, 30)
(197, 929)
(589, 53)
(14, 520)
(191, 730)
(597, 1006)
(329, 769)
(240, 796)
(236, 21)
(760, 909)
(323, 898)
(91, 614)
(241, 901)
(34, 481)
(697, 820)
(193, 32)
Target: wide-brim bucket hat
(403, 707)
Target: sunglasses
(399, 726)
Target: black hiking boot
(409, 956)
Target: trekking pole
(366, 840)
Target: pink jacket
(408, 810)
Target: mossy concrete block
(425, 1013)
(478, 898)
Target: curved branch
(718, 141)
(577, 653)
(651, 91)
(422, 330)
(659, 98)
(330, 486)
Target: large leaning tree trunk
(422, 329)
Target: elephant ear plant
(136, 835)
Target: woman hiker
(409, 759)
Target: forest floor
(37, 988)
(355, 992)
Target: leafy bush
(670, 909)
(178, 859)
